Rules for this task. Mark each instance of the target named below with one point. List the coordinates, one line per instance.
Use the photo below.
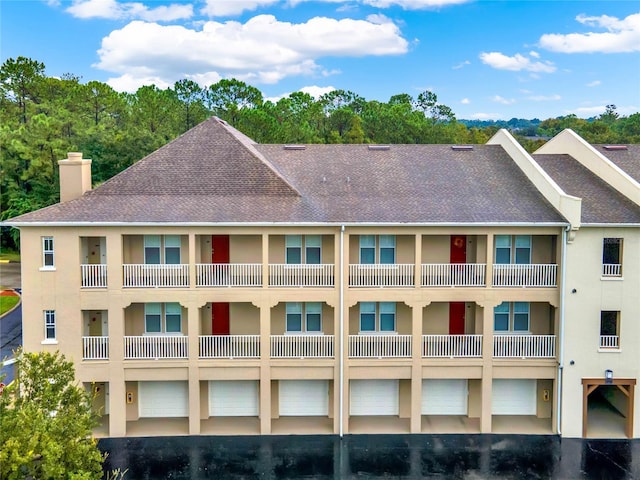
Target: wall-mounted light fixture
(608, 376)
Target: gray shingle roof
(601, 203)
(213, 173)
(628, 160)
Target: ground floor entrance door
(609, 400)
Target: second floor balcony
(155, 275)
(525, 275)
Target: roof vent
(615, 147)
(461, 147)
(295, 147)
(379, 147)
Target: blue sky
(485, 59)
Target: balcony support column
(489, 269)
(191, 260)
(487, 365)
(114, 261)
(265, 365)
(193, 323)
(417, 274)
(265, 260)
(117, 394)
(416, 366)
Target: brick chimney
(75, 176)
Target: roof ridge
(249, 144)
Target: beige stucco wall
(261, 310)
(582, 323)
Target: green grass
(10, 256)
(7, 303)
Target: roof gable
(210, 159)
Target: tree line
(42, 118)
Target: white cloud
(502, 100)
(413, 4)
(621, 36)
(262, 50)
(129, 83)
(595, 83)
(465, 101)
(485, 116)
(404, 4)
(545, 98)
(516, 63)
(114, 10)
(313, 90)
(226, 8)
(461, 65)
(534, 54)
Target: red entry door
(220, 318)
(458, 249)
(457, 309)
(220, 249)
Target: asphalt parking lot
(373, 456)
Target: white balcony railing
(162, 275)
(95, 348)
(525, 275)
(379, 346)
(610, 341)
(381, 275)
(301, 275)
(302, 346)
(229, 346)
(611, 270)
(453, 274)
(524, 346)
(156, 346)
(93, 276)
(452, 346)
(229, 274)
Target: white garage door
(163, 399)
(374, 397)
(233, 398)
(303, 398)
(513, 397)
(444, 397)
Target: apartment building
(219, 286)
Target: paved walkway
(10, 323)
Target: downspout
(563, 269)
(341, 364)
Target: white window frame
(516, 244)
(50, 327)
(163, 244)
(379, 244)
(614, 269)
(163, 310)
(379, 309)
(512, 309)
(48, 254)
(304, 309)
(303, 244)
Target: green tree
(20, 79)
(47, 422)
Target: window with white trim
(511, 317)
(162, 318)
(163, 249)
(377, 317)
(304, 317)
(377, 249)
(612, 257)
(305, 249)
(47, 252)
(514, 249)
(50, 324)
(609, 329)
